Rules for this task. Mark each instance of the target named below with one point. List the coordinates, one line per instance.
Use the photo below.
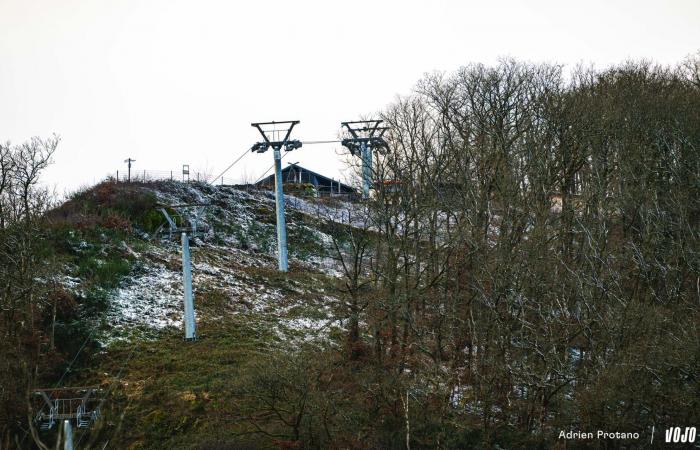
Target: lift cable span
(111, 387)
(269, 168)
(246, 151)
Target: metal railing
(56, 404)
(164, 175)
(145, 175)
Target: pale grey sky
(170, 82)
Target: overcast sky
(173, 82)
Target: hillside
(156, 387)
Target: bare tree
(528, 231)
(23, 263)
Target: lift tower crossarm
(259, 126)
(367, 128)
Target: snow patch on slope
(153, 299)
(236, 239)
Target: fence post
(171, 175)
(117, 176)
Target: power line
(268, 169)
(69, 367)
(111, 387)
(245, 152)
(319, 142)
(75, 358)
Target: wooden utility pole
(129, 161)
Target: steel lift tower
(272, 139)
(190, 324)
(366, 136)
(185, 231)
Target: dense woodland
(530, 263)
(538, 265)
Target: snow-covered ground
(233, 243)
(153, 298)
(340, 211)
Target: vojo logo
(681, 435)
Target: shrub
(111, 205)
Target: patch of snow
(222, 257)
(153, 299)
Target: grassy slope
(162, 392)
(177, 394)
